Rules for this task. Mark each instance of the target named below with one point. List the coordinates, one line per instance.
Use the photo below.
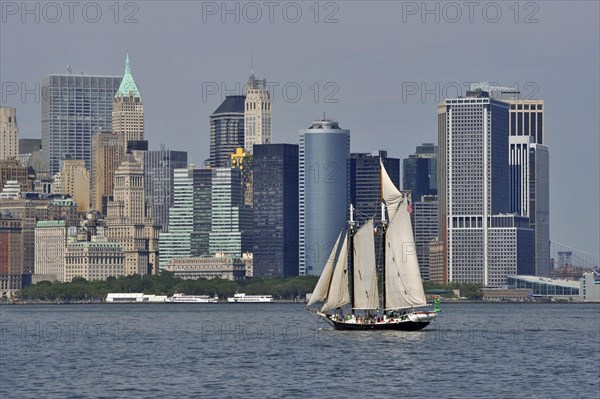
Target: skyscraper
(128, 109)
(275, 208)
(159, 167)
(482, 242)
(365, 182)
(129, 221)
(231, 220)
(74, 180)
(242, 160)
(257, 113)
(107, 153)
(74, 107)
(529, 174)
(324, 191)
(9, 133)
(189, 217)
(226, 130)
(419, 173)
(425, 229)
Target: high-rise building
(159, 166)
(257, 113)
(50, 246)
(128, 109)
(419, 173)
(275, 208)
(11, 253)
(129, 220)
(529, 174)
(231, 220)
(425, 229)
(481, 240)
(74, 180)
(96, 259)
(9, 133)
(324, 175)
(365, 182)
(107, 153)
(242, 160)
(74, 107)
(226, 130)
(189, 217)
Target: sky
(377, 67)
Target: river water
(473, 350)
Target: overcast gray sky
(360, 62)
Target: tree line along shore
(291, 289)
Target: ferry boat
(183, 298)
(243, 298)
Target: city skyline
(401, 92)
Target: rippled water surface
(279, 350)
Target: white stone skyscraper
(257, 113)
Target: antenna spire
(252, 61)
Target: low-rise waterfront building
(545, 287)
(590, 286)
(218, 266)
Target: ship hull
(412, 322)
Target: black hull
(401, 326)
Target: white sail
(403, 284)
(339, 294)
(322, 288)
(391, 196)
(366, 295)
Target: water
(279, 350)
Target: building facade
(257, 113)
(50, 246)
(419, 174)
(97, 259)
(529, 174)
(425, 229)
(474, 193)
(107, 153)
(11, 254)
(9, 133)
(365, 182)
(74, 180)
(226, 130)
(324, 176)
(74, 107)
(231, 220)
(159, 167)
(12, 170)
(219, 266)
(129, 221)
(275, 208)
(128, 110)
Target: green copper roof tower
(128, 86)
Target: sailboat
(350, 274)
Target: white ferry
(134, 297)
(183, 298)
(243, 298)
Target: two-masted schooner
(350, 275)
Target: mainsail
(403, 284)
(366, 295)
(322, 288)
(339, 294)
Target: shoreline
(281, 301)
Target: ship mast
(351, 257)
(383, 232)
